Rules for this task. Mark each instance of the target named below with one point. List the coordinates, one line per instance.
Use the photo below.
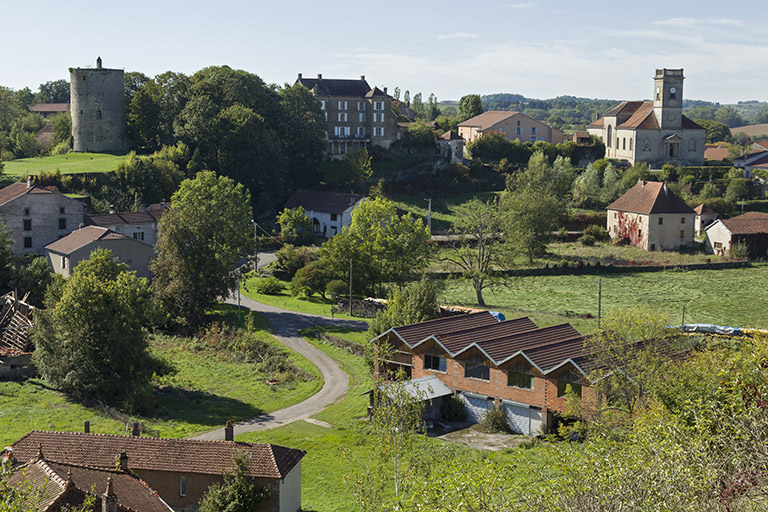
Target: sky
(594, 49)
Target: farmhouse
(655, 131)
(68, 485)
(65, 253)
(652, 217)
(490, 362)
(512, 125)
(328, 211)
(37, 216)
(180, 470)
(750, 229)
(141, 226)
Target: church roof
(638, 115)
(648, 197)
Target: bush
(268, 286)
(453, 409)
(310, 279)
(587, 240)
(337, 289)
(495, 422)
(738, 250)
(599, 233)
(291, 258)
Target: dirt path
(286, 326)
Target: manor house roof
(648, 197)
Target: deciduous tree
(469, 106)
(200, 240)
(237, 493)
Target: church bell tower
(668, 98)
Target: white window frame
(342, 105)
(361, 117)
(342, 117)
(361, 131)
(361, 106)
(322, 104)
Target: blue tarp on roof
(712, 329)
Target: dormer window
(520, 377)
(477, 369)
(435, 362)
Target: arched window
(692, 144)
(624, 143)
(610, 135)
(630, 144)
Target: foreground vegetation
(204, 384)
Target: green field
(70, 163)
(202, 393)
(443, 208)
(735, 297)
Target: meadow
(70, 163)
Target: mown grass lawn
(202, 393)
(443, 208)
(315, 304)
(68, 164)
(735, 297)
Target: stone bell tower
(668, 98)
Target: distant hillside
(753, 130)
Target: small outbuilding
(704, 217)
(750, 229)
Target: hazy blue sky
(596, 49)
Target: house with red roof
(653, 131)
(490, 362)
(704, 217)
(512, 125)
(179, 470)
(750, 229)
(650, 216)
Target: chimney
(666, 190)
(229, 431)
(123, 461)
(385, 90)
(80, 226)
(299, 76)
(98, 62)
(30, 181)
(319, 76)
(136, 432)
(362, 77)
(111, 208)
(87, 428)
(109, 498)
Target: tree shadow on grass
(172, 403)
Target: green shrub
(310, 279)
(337, 289)
(268, 286)
(598, 232)
(291, 258)
(453, 409)
(738, 250)
(495, 422)
(587, 240)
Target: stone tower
(668, 98)
(97, 108)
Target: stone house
(451, 146)
(489, 362)
(328, 211)
(652, 217)
(358, 115)
(37, 216)
(750, 229)
(512, 125)
(68, 485)
(654, 131)
(141, 226)
(64, 254)
(179, 470)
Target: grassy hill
(68, 164)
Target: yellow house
(512, 125)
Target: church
(654, 131)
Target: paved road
(285, 326)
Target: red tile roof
(414, 333)
(650, 197)
(456, 341)
(750, 223)
(450, 135)
(82, 237)
(488, 119)
(52, 477)
(321, 201)
(157, 454)
(642, 118)
(49, 107)
(716, 153)
(18, 189)
(703, 209)
(639, 115)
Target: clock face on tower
(671, 117)
(673, 90)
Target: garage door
(523, 419)
(476, 406)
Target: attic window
(520, 377)
(569, 379)
(477, 369)
(435, 362)
(334, 217)
(182, 486)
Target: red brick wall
(166, 484)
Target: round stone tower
(98, 110)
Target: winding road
(285, 327)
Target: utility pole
(238, 295)
(683, 324)
(350, 286)
(429, 214)
(599, 300)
